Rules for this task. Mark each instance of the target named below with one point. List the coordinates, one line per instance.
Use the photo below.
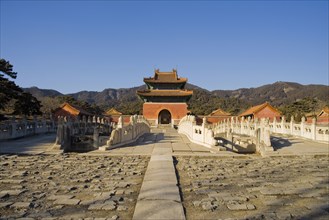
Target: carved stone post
(232, 124)
(256, 126)
(204, 122)
(193, 120)
(120, 122)
(229, 137)
(283, 121)
(66, 142)
(302, 127)
(131, 119)
(96, 137)
(274, 124)
(267, 134)
(292, 122)
(242, 125)
(60, 132)
(313, 129)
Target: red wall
(152, 110)
(324, 119)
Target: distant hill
(107, 96)
(277, 93)
(203, 101)
(40, 93)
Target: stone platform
(163, 176)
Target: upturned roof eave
(152, 80)
(165, 92)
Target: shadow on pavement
(278, 142)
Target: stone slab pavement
(179, 144)
(159, 197)
(289, 145)
(292, 182)
(255, 187)
(30, 145)
(70, 186)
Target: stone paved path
(289, 145)
(291, 183)
(31, 145)
(70, 186)
(159, 196)
(255, 188)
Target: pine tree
(25, 103)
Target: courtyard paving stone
(57, 185)
(254, 187)
(46, 184)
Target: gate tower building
(165, 98)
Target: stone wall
(13, 128)
(199, 134)
(125, 134)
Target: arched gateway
(164, 117)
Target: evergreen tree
(8, 89)
(25, 103)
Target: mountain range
(278, 94)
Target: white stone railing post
(237, 125)
(292, 125)
(204, 122)
(302, 127)
(313, 129)
(96, 137)
(242, 125)
(248, 126)
(283, 121)
(256, 126)
(274, 125)
(120, 122)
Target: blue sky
(92, 45)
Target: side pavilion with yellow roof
(70, 110)
(217, 116)
(264, 110)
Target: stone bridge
(251, 136)
(164, 170)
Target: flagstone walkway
(163, 171)
(159, 192)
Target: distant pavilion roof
(73, 109)
(219, 112)
(255, 109)
(113, 111)
(165, 77)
